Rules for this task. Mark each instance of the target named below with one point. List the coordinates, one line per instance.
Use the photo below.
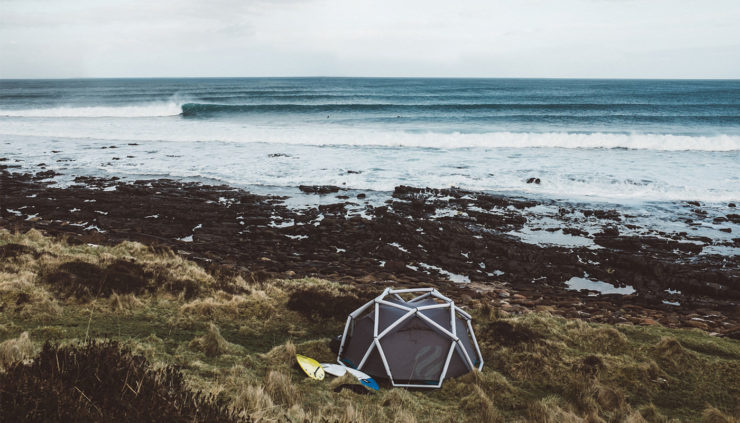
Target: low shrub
(102, 382)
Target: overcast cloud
(486, 38)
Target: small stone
(696, 324)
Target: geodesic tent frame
(414, 308)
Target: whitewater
(629, 142)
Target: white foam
(576, 284)
(175, 128)
(145, 110)
(454, 277)
(616, 176)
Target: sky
(384, 38)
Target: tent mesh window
(413, 337)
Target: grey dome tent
(415, 343)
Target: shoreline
(404, 242)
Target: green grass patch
(235, 343)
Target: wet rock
(45, 175)
(533, 181)
(261, 236)
(609, 231)
(319, 189)
(395, 266)
(575, 232)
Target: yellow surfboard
(312, 367)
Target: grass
(235, 341)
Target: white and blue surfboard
(339, 370)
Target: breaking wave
(640, 111)
(145, 110)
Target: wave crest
(145, 110)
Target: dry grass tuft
(125, 302)
(651, 414)
(548, 410)
(15, 350)
(212, 343)
(280, 388)
(222, 306)
(253, 401)
(670, 350)
(282, 355)
(713, 415)
(350, 414)
(635, 417)
(479, 404)
(609, 399)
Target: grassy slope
(240, 345)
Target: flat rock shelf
(472, 244)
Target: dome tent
(416, 343)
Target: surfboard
(364, 379)
(334, 369)
(312, 367)
(339, 370)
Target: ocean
(646, 145)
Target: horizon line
(374, 77)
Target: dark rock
(361, 195)
(262, 238)
(395, 266)
(575, 232)
(319, 189)
(533, 180)
(609, 231)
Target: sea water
(643, 145)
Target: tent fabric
(414, 351)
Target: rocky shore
(466, 241)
